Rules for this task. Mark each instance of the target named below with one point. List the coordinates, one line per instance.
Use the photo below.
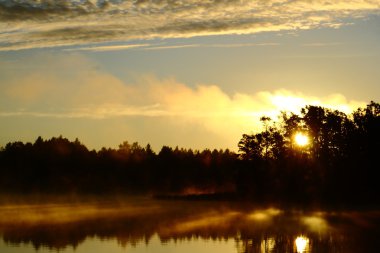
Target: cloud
(107, 48)
(73, 87)
(172, 47)
(99, 48)
(321, 44)
(243, 45)
(45, 23)
(231, 45)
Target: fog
(61, 222)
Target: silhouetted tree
(340, 165)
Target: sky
(194, 74)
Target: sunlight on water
(268, 245)
(96, 245)
(315, 223)
(264, 215)
(302, 244)
(141, 226)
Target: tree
(269, 144)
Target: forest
(339, 166)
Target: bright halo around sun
(301, 139)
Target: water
(145, 225)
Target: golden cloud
(90, 93)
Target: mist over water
(151, 225)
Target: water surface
(146, 225)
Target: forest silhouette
(340, 166)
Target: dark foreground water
(144, 225)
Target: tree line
(58, 165)
(340, 164)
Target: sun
(301, 139)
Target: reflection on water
(143, 225)
(268, 245)
(302, 244)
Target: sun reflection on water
(302, 244)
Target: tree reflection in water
(134, 222)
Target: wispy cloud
(33, 24)
(107, 48)
(172, 47)
(322, 44)
(231, 45)
(92, 112)
(243, 45)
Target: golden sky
(196, 74)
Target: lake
(149, 225)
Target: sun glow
(301, 139)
